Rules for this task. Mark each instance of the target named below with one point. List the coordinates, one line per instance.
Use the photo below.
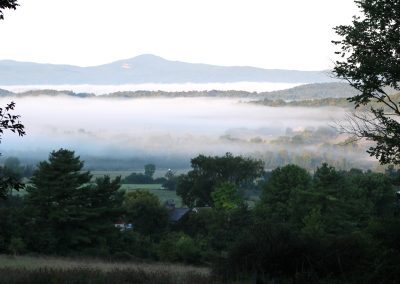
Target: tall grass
(35, 270)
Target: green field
(156, 189)
(134, 186)
(162, 194)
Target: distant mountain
(5, 93)
(148, 69)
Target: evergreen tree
(68, 213)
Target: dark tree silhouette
(370, 62)
(7, 4)
(11, 122)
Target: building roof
(177, 213)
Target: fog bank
(157, 127)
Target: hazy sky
(288, 34)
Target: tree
(149, 170)
(284, 194)
(12, 165)
(208, 172)
(370, 52)
(170, 180)
(226, 197)
(138, 178)
(145, 212)
(7, 4)
(68, 213)
(11, 174)
(10, 122)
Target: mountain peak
(145, 58)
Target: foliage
(179, 247)
(68, 213)
(170, 181)
(331, 226)
(283, 196)
(149, 170)
(138, 178)
(321, 227)
(338, 102)
(196, 186)
(145, 212)
(370, 62)
(226, 197)
(16, 246)
(7, 4)
(8, 121)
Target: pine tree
(68, 212)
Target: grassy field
(32, 270)
(162, 194)
(156, 189)
(134, 186)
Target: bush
(179, 247)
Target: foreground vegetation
(41, 270)
(327, 226)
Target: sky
(274, 34)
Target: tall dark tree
(67, 212)
(370, 62)
(7, 4)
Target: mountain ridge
(148, 68)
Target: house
(175, 214)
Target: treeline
(136, 94)
(328, 227)
(342, 102)
(337, 102)
(168, 181)
(303, 92)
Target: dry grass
(32, 263)
(27, 269)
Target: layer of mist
(131, 132)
